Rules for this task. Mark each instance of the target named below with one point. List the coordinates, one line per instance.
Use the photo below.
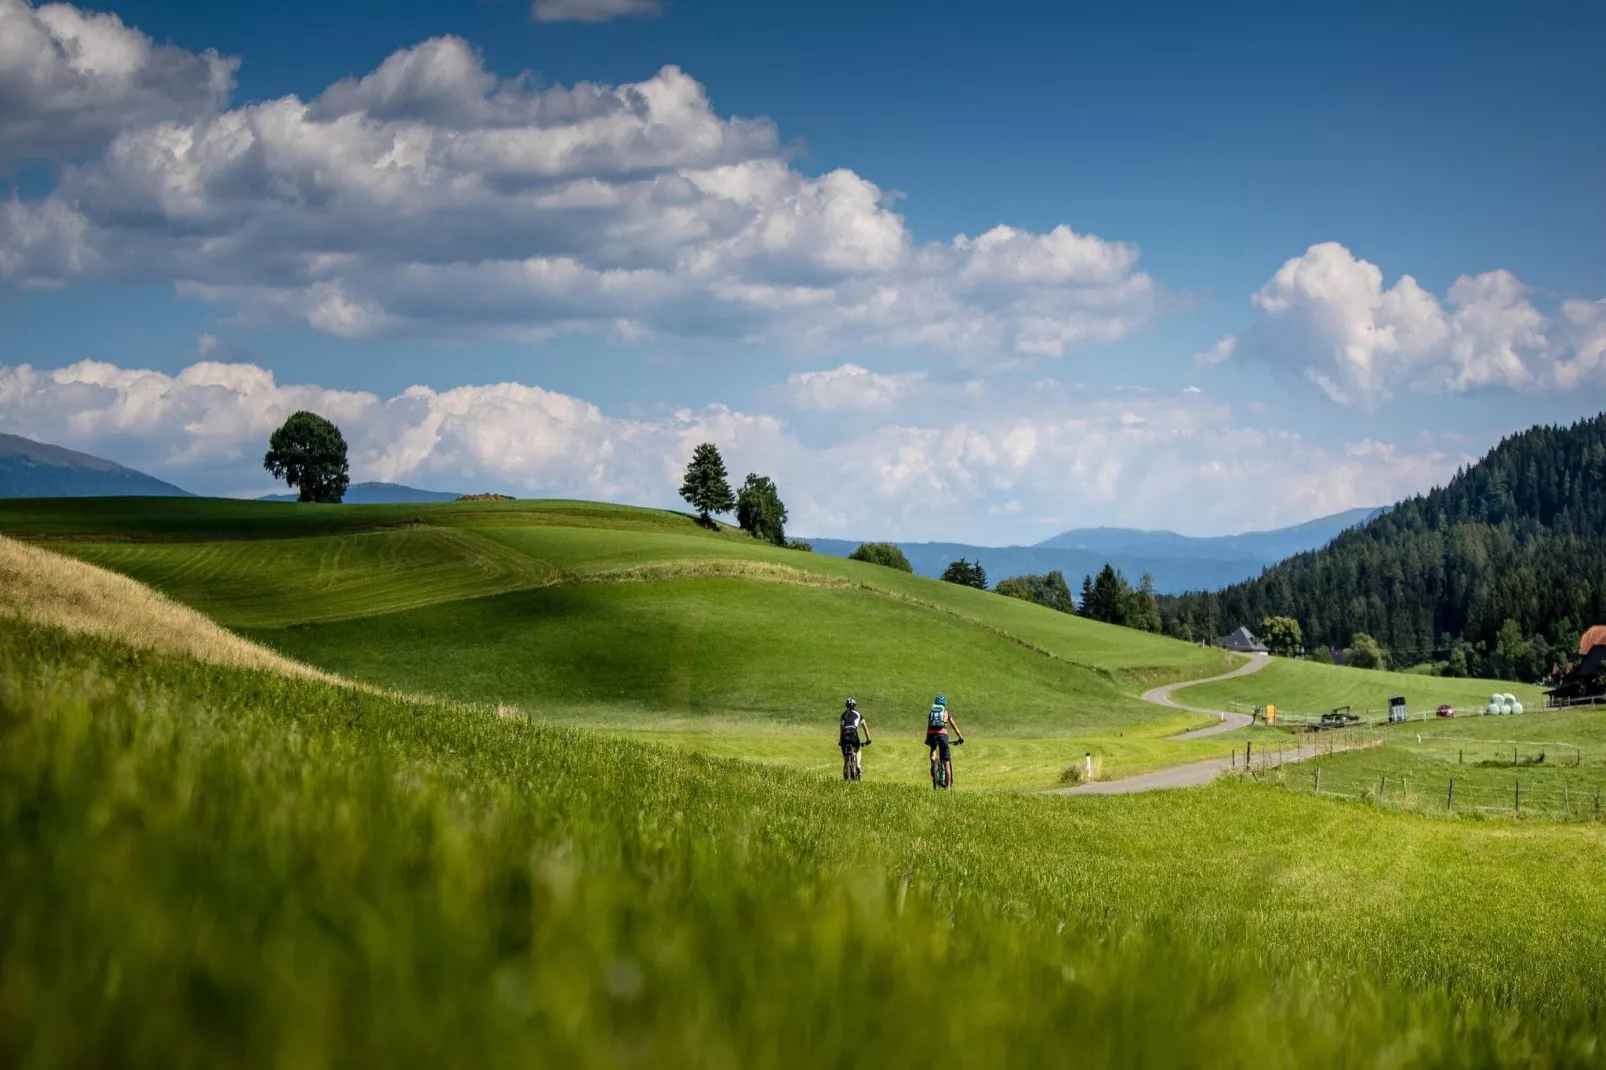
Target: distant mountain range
(377, 494)
(1177, 562)
(30, 469)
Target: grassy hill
(642, 621)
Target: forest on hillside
(1495, 573)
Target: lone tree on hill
(706, 486)
(760, 511)
(966, 574)
(1282, 636)
(882, 553)
(309, 453)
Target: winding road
(1194, 773)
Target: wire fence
(1254, 756)
(1564, 792)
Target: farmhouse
(1242, 641)
(1587, 679)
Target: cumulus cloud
(592, 10)
(1219, 353)
(431, 197)
(1328, 316)
(1052, 458)
(851, 387)
(70, 80)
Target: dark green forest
(1496, 573)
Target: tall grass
(205, 865)
(81, 597)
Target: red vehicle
(1446, 711)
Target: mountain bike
(940, 775)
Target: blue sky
(1221, 339)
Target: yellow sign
(1271, 714)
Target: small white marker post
(1090, 765)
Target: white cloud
(70, 80)
(592, 10)
(1129, 457)
(1585, 324)
(1219, 353)
(432, 198)
(1327, 316)
(851, 387)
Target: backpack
(937, 718)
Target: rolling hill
(643, 622)
(30, 469)
(377, 494)
(1178, 563)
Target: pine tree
(706, 486)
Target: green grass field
(207, 866)
(1553, 763)
(1304, 687)
(641, 621)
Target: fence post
(1318, 780)
(1382, 784)
(1249, 754)
(1450, 802)
(1519, 796)
(1461, 756)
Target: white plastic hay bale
(1516, 707)
(1495, 707)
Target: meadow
(643, 622)
(1550, 763)
(1307, 688)
(205, 864)
(478, 850)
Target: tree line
(1494, 574)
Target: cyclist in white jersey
(848, 737)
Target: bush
(800, 544)
(1366, 653)
(882, 553)
(966, 574)
(1049, 589)
(1282, 636)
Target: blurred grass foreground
(205, 865)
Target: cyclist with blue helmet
(938, 722)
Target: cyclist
(938, 721)
(848, 737)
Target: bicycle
(941, 776)
(855, 767)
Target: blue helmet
(941, 700)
